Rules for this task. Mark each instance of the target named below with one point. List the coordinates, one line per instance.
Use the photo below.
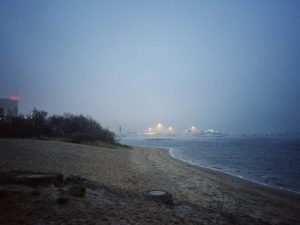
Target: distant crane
(119, 129)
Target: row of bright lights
(160, 126)
(193, 129)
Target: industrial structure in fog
(9, 106)
(158, 130)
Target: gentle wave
(231, 174)
(272, 162)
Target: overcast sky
(229, 65)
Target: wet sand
(201, 196)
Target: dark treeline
(69, 127)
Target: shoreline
(242, 178)
(230, 174)
(138, 169)
(223, 174)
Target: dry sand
(116, 179)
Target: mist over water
(270, 161)
(228, 65)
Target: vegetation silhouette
(74, 128)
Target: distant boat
(205, 133)
(210, 135)
(151, 136)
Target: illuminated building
(9, 106)
(192, 131)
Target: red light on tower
(14, 98)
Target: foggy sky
(229, 65)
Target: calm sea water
(270, 161)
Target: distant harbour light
(160, 129)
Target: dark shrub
(77, 129)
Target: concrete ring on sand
(159, 196)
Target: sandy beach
(120, 176)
